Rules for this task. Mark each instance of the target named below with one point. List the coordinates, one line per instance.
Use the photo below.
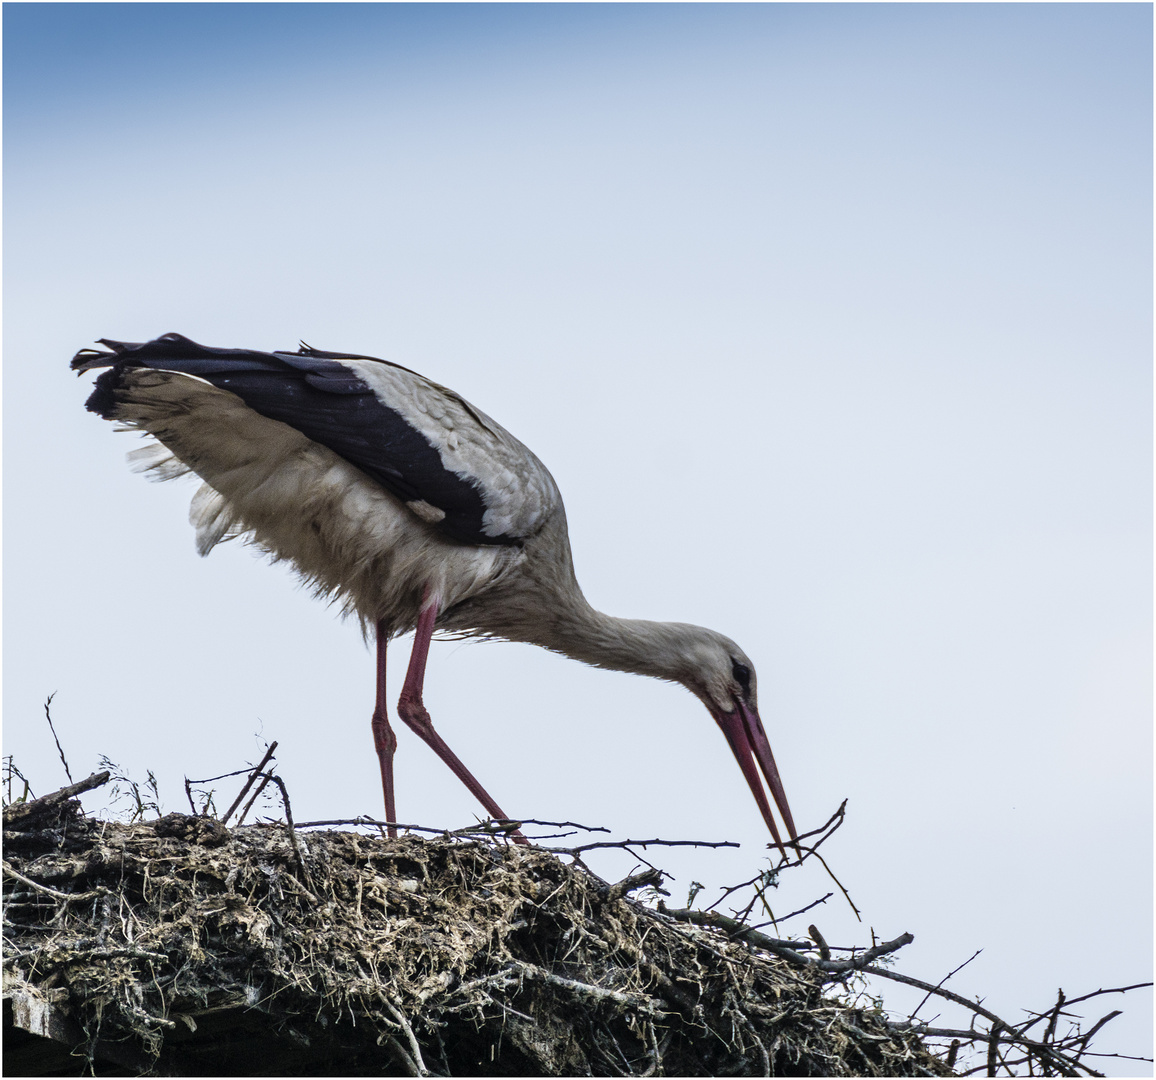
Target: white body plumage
(346, 535)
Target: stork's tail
(170, 352)
(166, 351)
(102, 400)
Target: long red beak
(748, 741)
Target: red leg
(384, 740)
(411, 709)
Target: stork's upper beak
(748, 741)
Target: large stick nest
(180, 947)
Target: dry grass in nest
(180, 947)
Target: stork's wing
(455, 467)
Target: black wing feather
(324, 400)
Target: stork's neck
(543, 605)
(663, 650)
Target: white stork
(411, 506)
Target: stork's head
(716, 670)
(708, 664)
(721, 675)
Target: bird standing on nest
(413, 507)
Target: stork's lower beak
(748, 741)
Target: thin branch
(927, 996)
(803, 910)
(364, 819)
(1114, 990)
(563, 825)
(487, 828)
(575, 851)
(52, 728)
(846, 894)
(832, 823)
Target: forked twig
(256, 771)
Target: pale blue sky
(833, 323)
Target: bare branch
(18, 812)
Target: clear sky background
(832, 322)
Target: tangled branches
(1007, 1048)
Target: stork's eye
(742, 675)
